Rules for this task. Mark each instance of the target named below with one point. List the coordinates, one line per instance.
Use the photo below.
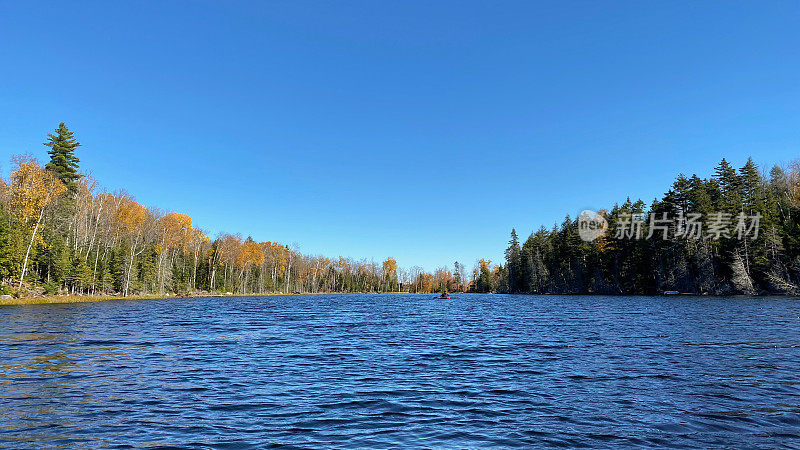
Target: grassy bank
(102, 298)
(72, 299)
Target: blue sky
(419, 130)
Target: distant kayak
(443, 297)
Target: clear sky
(420, 130)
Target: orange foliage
(250, 254)
(129, 215)
(177, 231)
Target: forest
(716, 260)
(60, 233)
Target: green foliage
(9, 238)
(62, 156)
(556, 261)
(513, 264)
(79, 276)
(50, 288)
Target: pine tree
(62, 157)
(514, 263)
(726, 175)
(699, 195)
(676, 198)
(730, 184)
(750, 180)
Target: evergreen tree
(514, 263)
(8, 237)
(62, 157)
(699, 195)
(79, 275)
(750, 183)
(726, 175)
(730, 185)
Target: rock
(704, 265)
(741, 280)
(5, 297)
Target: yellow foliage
(129, 216)
(250, 253)
(33, 189)
(177, 231)
(198, 237)
(390, 267)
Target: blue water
(402, 370)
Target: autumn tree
(249, 255)
(175, 236)
(228, 247)
(32, 190)
(199, 243)
(130, 218)
(389, 274)
(484, 276)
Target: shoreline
(103, 298)
(53, 300)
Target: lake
(402, 370)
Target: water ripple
(402, 371)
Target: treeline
(737, 232)
(59, 233)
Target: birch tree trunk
(30, 244)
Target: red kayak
(443, 297)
